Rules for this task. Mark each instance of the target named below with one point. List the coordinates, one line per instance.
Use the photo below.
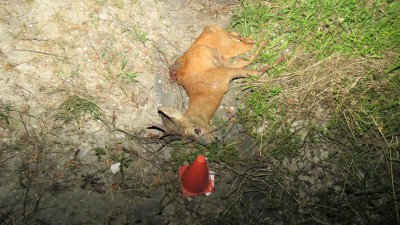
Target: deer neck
(201, 110)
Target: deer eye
(197, 131)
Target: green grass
(126, 73)
(338, 92)
(317, 28)
(365, 28)
(5, 110)
(182, 153)
(75, 107)
(125, 161)
(261, 104)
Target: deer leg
(240, 63)
(237, 36)
(228, 74)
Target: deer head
(191, 128)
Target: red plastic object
(195, 178)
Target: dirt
(114, 55)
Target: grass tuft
(74, 107)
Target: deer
(205, 71)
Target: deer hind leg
(230, 44)
(236, 35)
(232, 47)
(225, 75)
(240, 63)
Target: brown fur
(204, 71)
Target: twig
(390, 168)
(23, 123)
(42, 53)
(25, 200)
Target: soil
(115, 55)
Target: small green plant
(125, 161)
(181, 155)
(134, 32)
(100, 152)
(92, 182)
(5, 110)
(74, 107)
(127, 75)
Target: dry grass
(348, 149)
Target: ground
(83, 80)
(313, 141)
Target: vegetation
(326, 121)
(74, 107)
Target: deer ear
(171, 119)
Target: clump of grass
(183, 154)
(260, 105)
(365, 117)
(75, 107)
(134, 32)
(117, 66)
(125, 161)
(5, 109)
(126, 73)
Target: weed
(74, 107)
(125, 161)
(260, 110)
(260, 105)
(92, 181)
(5, 110)
(134, 32)
(221, 153)
(100, 152)
(126, 74)
(181, 155)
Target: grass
(214, 153)
(5, 110)
(126, 73)
(75, 107)
(316, 29)
(332, 106)
(358, 27)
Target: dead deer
(205, 71)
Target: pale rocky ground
(51, 50)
